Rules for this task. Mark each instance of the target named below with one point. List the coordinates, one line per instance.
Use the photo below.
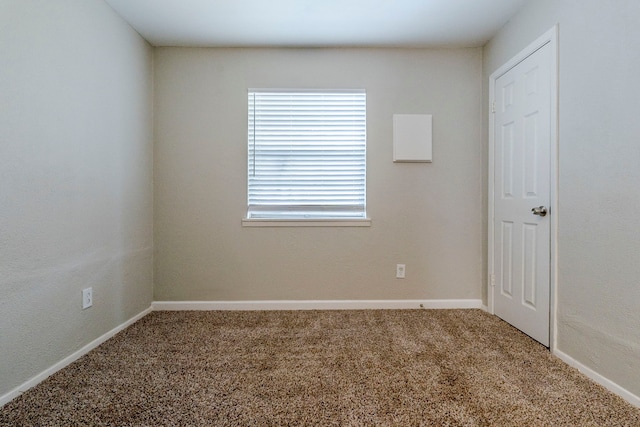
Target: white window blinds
(307, 154)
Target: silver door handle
(540, 210)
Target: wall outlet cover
(87, 298)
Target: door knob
(540, 210)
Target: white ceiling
(314, 23)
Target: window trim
(309, 222)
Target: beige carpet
(347, 368)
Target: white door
(522, 185)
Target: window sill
(365, 222)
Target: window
(307, 154)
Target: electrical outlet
(87, 298)
(400, 271)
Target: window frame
(316, 219)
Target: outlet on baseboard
(87, 298)
(400, 271)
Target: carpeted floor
(342, 368)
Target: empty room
(295, 212)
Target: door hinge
(492, 280)
(493, 106)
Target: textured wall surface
(75, 179)
(599, 227)
(423, 215)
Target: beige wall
(424, 215)
(75, 179)
(599, 158)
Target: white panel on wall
(412, 137)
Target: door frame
(550, 37)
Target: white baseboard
(605, 382)
(315, 305)
(4, 399)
